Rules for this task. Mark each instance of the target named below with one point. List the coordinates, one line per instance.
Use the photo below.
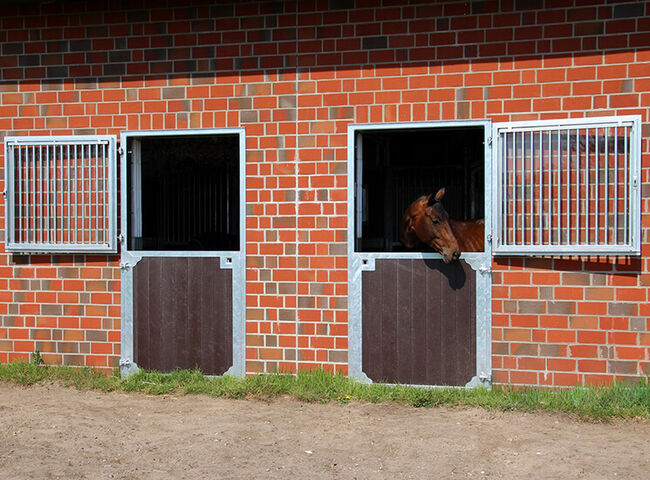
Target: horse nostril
(456, 255)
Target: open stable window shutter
(567, 187)
(61, 194)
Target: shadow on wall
(97, 41)
(624, 265)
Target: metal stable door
(412, 318)
(181, 309)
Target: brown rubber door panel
(419, 322)
(182, 311)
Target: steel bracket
(128, 367)
(480, 380)
(129, 260)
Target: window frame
(133, 190)
(110, 208)
(632, 247)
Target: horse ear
(440, 194)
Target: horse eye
(436, 222)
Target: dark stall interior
(400, 165)
(189, 193)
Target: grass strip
(596, 403)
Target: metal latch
(125, 362)
(125, 266)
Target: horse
(427, 222)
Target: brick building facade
(294, 76)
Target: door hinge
(125, 362)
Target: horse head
(427, 221)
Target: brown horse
(427, 222)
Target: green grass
(614, 401)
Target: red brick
(592, 366)
(523, 378)
(622, 338)
(561, 364)
(630, 353)
(529, 363)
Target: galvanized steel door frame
(358, 262)
(234, 260)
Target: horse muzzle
(449, 257)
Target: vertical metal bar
(559, 188)
(587, 187)
(105, 238)
(549, 220)
(88, 209)
(47, 202)
(33, 219)
(39, 192)
(626, 202)
(523, 190)
(41, 175)
(94, 217)
(66, 198)
(531, 215)
(568, 186)
(504, 189)
(540, 207)
(100, 151)
(83, 192)
(578, 186)
(111, 197)
(606, 185)
(227, 200)
(615, 207)
(358, 174)
(61, 175)
(55, 197)
(75, 169)
(515, 216)
(597, 182)
(20, 191)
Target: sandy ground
(49, 432)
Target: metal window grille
(567, 187)
(61, 194)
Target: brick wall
(295, 74)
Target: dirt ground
(49, 432)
